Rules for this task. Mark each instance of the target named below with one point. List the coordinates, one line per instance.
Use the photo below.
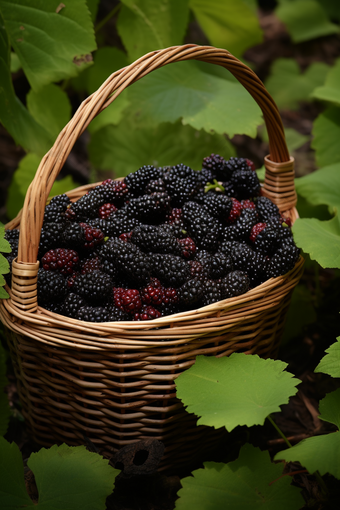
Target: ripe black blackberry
(117, 190)
(266, 209)
(254, 264)
(52, 287)
(73, 236)
(119, 223)
(190, 293)
(231, 166)
(148, 208)
(55, 210)
(93, 314)
(87, 206)
(234, 284)
(72, 303)
(51, 236)
(182, 183)
(202, 228)
(221, 265)
(155, 186)
(229, 189)
(215, 164)
(55, 308)
(170, 269)
(116, 314)
(129, 260)
(283, 260)
(95, 287)
(137, 181)
(212, 292)
(12, 235)
(266, 240)
(205, 259)
(245, 183)
(169, 309)
(217, 205)
(102, 224)
(152, 238)
(240, 230)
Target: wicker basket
(114, 382)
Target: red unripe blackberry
(251, 164)
(147, 313)
(188, 247)
(90, 265)
(152, 295)
(248, 204)
(128, 300)
(126, 236)
(105, 210)
(235, 211)
(175, 215)
(256, 230)
(61, 259)
(93, 236)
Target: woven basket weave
(114, 382)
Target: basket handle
(279, 181)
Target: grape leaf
(251, 481)
(53, 41)
(330, 90)
(330, 364)
(166, 144)
(320, 239)
(5, 410)
(236, 390)
(93, 8)
(320, 453)
(230, 25)
(201, 100)
(289, 86)
(305, 20)
(13, 115)
(148, 25)
(3, 293)
(50, 107)
(4, 265)
(5, 247)
(322, 186)
(326, 131)
(70, 478)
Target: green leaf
(166, 144)
(201, 100)
(13, 115)
(322, 186)
(3, 293)
(301, 313)
(93, 8)
(326, 131)
(331, 7)
(320, 239)
(15, 62)
(23, 177)
(4, 265)
(330, 364)
(5, 247)
(320, 453)
(5, 410)
(52, 41)
(330, 90)
(294, 139)
(305, 20)
(50, 107)
(237, 390)
(289, 86)
(148, 25)
(231, 25)
(13, 493)
(251, 481)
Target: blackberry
(90, 265)
(52, 287)
(206, 175)
(116, 314)
(212, 292)
(217, 205)
(266, 209)
(187, 247)
(205, 259)
(88, 205)
(137, 181)
(93, 236)
(216, 165)
(9, 257)
(254, 264)
(241, 229)
(231, 166)
(220, 266)
(190, 293)
(61, 259)
(12, 235)
(73, 236)
(229, 189)
(93, 314)
(106, 210)
(245, 183)
(174, 216)
(176, 229)
(128, 258)
(128, 300)
(197, 269)
(182, 183)
(51, 236)
(146, 313)
(110, 268)
(95, 287)
(203, 228)
(170, 269)
(55, 308)
(71, 305)
(156, 186)
(169, 309)
(283, 260)
(116, 190)
(55, 210)
(118, 223)
(265, 238)
(235, 284)
(150, 208)
(153, 293)
(151, 238)
(227, 247)
(235, 211)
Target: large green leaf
(321, 187)
(23, 177)
(50, 107)
(301, 313)
(320, 239)
(5, 410)
(289, 86)
(330, 90)
(305, 19)
(166, 144)
(148, 25)
(320, 453)
(330, 364)
(68, 478)
(230, 25)
(331, 7)
(13, 115)
(203, 101)
(326, 131)
(236, 390)
(250, 482)
(53, 40)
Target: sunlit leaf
(330, 364)
(330, 90)
(52, 40)
(305, 20)
(326, 131)
(250, 482)
(148, 25)
(320, 453)
(183, 91)
(231, 25)
(236, 390)
(15, 62)
(321, 186)
(166, 144)
(289, 86)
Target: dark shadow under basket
(114, 383)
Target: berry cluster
(160, 241)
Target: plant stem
(107, 18)
(279, 431)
